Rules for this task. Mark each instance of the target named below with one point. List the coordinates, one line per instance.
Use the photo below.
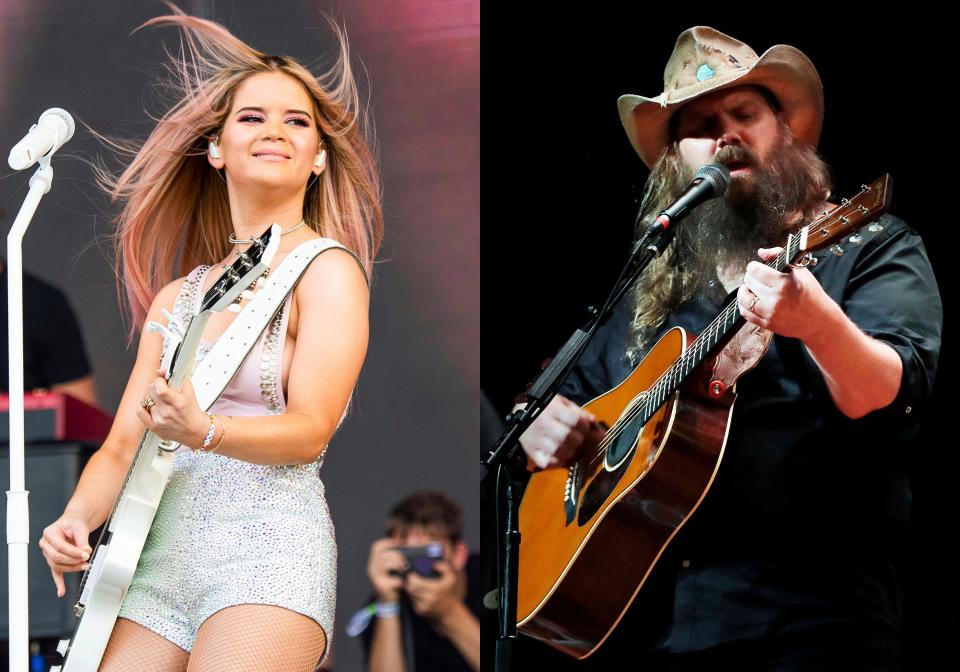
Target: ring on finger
(753, 303)
(147, 403)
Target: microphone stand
(507, 453)
(18, 510)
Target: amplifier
(53, 416)
(52, 472)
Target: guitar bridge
(571, 492)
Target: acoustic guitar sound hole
(617, 459)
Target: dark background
(414, 422)
(568, 181)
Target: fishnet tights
(243, 638)
(134, 648)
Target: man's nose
(729, 137)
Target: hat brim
(784, 70)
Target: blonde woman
(239, 570)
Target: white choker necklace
(241, 241)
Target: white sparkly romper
(230, 532)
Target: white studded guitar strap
(214, 372)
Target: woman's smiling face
(270, 137)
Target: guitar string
(793, 247)
(657, 387)
(730, 312)
(207, 299)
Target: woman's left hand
(175, 416)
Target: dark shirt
(433, 651)
(806, 518)
(53, 349)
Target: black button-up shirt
(804, 522)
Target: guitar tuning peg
(247, 294)
(234, 308)
(260, 282)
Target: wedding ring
(753, 303)
(147, 403)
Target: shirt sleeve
(61, 356)
(892, 295)
(604, 363)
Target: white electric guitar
(118, 550)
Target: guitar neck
(181, 370)
(182, 366)
(870, 203)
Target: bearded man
(791, 560)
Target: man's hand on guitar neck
(560, 434)
(793, 304)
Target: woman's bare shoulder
(334, 270)
(334, 282)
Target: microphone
(710, 181)
(45, 137)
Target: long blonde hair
(175, 205)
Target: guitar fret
(825, 225)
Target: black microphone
(710, 181)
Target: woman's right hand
(65, 545)
(560, 434)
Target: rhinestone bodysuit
(231, 532)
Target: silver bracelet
(210, 433)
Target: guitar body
(578, 578)
(114, 563)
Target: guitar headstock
(872, 201)
(241, 275)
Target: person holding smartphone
(426, 593)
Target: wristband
(387, 609)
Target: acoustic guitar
(591, 534)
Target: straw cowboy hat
(705, 60)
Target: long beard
(758, 210)
(723, 233)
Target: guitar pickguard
(747, 347)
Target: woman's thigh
(257, 638)
(134, 647)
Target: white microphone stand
(18, 510)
